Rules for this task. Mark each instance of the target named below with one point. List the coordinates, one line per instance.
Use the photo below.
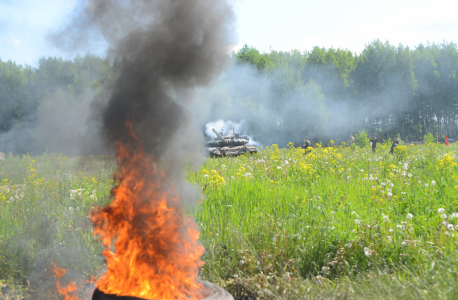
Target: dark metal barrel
(216, 293)
(219, 136)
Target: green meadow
(332, 223)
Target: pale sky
(263, 24)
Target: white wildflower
(390, 194)
(404, 243)
(385, 217)
(409, 175)
(357, 222)
(409, 216)
(443, 216)
(450, 227)
(433, 182)
(206, 175)
(390, 230)
(440, 210)
(278, 168)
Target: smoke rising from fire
(164, 50)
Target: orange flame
(156, 253)
(70, 290)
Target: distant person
(373, 142)
(352, 142)
(394, 143)
(446, 140)
(306, 144)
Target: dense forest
(281, 95)
(385, 89)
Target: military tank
(229, 145)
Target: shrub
(362, 140)
(429, 138)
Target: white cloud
(404, 24)
(13, 41)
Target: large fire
(151, 245)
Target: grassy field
(331, 224)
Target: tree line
(23, 88)
(283, 95)
(385, 89)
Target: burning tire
(216, 293)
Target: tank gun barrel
(219, 136)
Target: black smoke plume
(162, 51)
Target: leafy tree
(14, 81)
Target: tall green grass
(331, 213)
(280, 224)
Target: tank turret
(219, 136)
